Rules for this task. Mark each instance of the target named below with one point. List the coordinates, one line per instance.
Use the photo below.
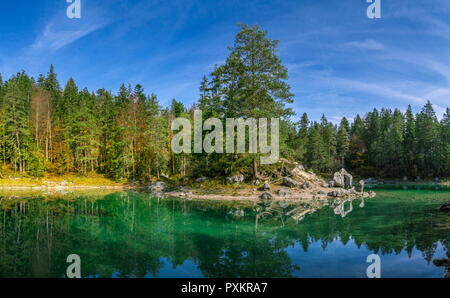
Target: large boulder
(289, 182)
(298, 170)
(343, 179)
(236, 179)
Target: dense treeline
(48, 129)
(383, 143)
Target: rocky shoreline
(296, 185)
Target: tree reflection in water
(129, 234)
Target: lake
(132, 234)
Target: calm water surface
(136, 235)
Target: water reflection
(340, 209)
(135, 235)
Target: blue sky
(340, 62)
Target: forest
(47, 128)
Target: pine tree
(252, 82)
(342, 142)
(428, 147)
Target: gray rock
(282, 192)
(338, 193)
(360, 186)
(331, 183)
(306, 185)
(369, 181)
(445, 207)
(321, 192)
(265, 187)
(157, 186)
(257, 182)
(343, 179)
(289, 182)
(298, 170)
(405, 179)
(437, 180)
(236, 179)
(201, 179)
(266, 196)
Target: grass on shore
(67, 180)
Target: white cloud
(368, 44)
(54, 38)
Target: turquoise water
(131, 234)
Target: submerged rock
(289, 182)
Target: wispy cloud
(54, 37)
(368, 44)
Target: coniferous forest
(50, 128)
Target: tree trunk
(255, 169)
